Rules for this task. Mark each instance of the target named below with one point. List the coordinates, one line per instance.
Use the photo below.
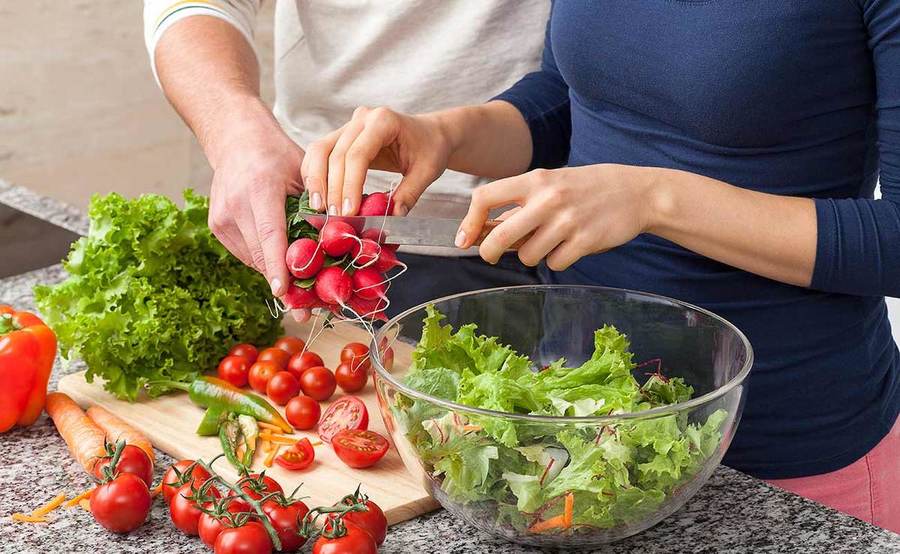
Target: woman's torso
(773, 95)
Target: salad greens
(152, 295)
(617, 474)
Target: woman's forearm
(490, 140)
(769, 235)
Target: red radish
(365, 252)
(337, 238)
(369, 309)
(373, 234)
(369, 284)
(333, 285)
(377, 203)
(304, 258)
(386, 261)
(299, 297)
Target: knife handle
(489, 226)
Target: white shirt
(412, 55)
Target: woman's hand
(334, 168)
(256, 166)
(570, 213)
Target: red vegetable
(291, 345)
(372, 520)
(333, 286)
(356, 354)
(184, 511)
(349, 379)
(282, 387)
(359, 448)
(347, 412)
(303, 412)
(318, 383)
(245, 350)
(276, 355)
(354, 541)
(374, 234)
(122, 504)
(131, 460)
(298, 457)
(249, 538)
(337, 238)
(286, 516)
(369, 284)
(260, 373)
(365, 252)
(235, 370)
(304, 258)
(303, 361)
(257, 485)
(299, 297)
(180, 473)
(386, 261)
(377, 203)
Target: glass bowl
(568, 481)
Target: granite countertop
(732, 513)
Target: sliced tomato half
(347, 412)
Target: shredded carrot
(281, 440)
(85, 504)
(269, 434)
(25, 518)
(557, 522)
(154, 492)
(50, 506)
(241, 450)
(265, 445)
(269, 427)
(271, 456)
(569, 510)
(74, 501)
(316, 443)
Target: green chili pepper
(249, 433)
(211, 392)
(229, 436)
(237, 431)
(209, 425)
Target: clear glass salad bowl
(578, 457)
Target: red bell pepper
(27, 351)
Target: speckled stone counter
(732, 513)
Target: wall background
(80, 112)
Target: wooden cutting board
(170, 421)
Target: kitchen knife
(410, 231)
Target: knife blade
(408, 231)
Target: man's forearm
(210, 74)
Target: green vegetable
(221, 397)
(152, 295)
(616, 474)
(237, 434)
(209, 425)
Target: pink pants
(868, 489)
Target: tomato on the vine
(131, 460)
(245, 350)
(357, 355)
(359, 448)
(260, 373)
(303, 361)
(249, 538)
(209, 527)
(318, 382)
(171, 481)
(235, 370)
(184, 511)
(211, 524)
(349, 379)
(302, 412)
(372, 520)
(291, 345)
(298, 457)
(256, 486)
(347, 412)
(287, 518)
(122, 504)
(277, 355)
(355, 541)
(282, 387)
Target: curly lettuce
(152, 295)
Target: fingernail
(345, 209)
(332, 210)
(316, 201)
(460, 238)
(276, 287)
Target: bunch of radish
(337, 268)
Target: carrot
(85, 504)
(83, 437)
(116, 429)
(25, 518)
(569, 510)
(278, 439)
(50, 506)
(265, 445)
(271, 456)
(154, 492)
(83, 496)
(269, 427)
(557, 522)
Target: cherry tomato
(245, 350)
(287, 519)
(256, 488)
(291, 345)
(359, 449)
(282, 387)
(349, 379)
(235, 370)
(357, 355)
(209, 527)
(356, 541)
(260, 373)
(372, 521)
(318, 382)
(171, 481)
(184, 511)
(302, 412)
(298, 457)
(131, 460)
(347, 412)
(276, 355)
(303, 361)
(249, 538)
(122, 504)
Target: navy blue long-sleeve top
(785, 97)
